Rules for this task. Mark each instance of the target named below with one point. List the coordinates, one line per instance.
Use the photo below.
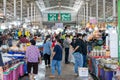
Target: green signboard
(52, 17)
(63, 17)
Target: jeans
(89, 48)
(66, 55)
(56, 64)
(78, 61)
(84, 60)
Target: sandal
(51, 76)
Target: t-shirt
(32, 53)
(84, 49)
(53, 44)
(73, 43)
(58, 53)
(80, 43)
(47, 47)
(66, 43)
(19, 33)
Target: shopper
(53, 42)
(23, 39)
(47, 50)
(72, 47)
(9, 41)
(56, 59)
(78, 53)
(73, 42)
(1, 69)
(84, 50)
(19, 33)
(66, 46)
(4, 39)
(1, 41)
(32, 59)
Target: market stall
(103, 57)
(14, 62)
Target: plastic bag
(71, 57)
(41, 72)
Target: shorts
(34, 66)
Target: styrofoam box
(83, 72)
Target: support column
(84, 12)
(90, 11)
(104, 15)
(119, 31)
(21, 10)
(28, 11)
(31, 11)
(4, 7)
(34, 12)
(87, 12)
(14, 9)
(114, 8)
(97, 10)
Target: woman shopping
(56, 59)
(47, 50)
(32, 58)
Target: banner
(93, 20)
(59, 25)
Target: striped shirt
(32, 53)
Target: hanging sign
(52, 17)
(59, 25)
(93, 20)
(65, 17)
(59, 17)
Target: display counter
(104, 67)
(14, 65)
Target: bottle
(104, 52)
(107, 53)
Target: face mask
(85, 37)
(48, 39)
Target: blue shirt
(58, 53)
(47, 47)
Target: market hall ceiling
(46, 5)
(56, 4)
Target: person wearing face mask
(56, 59)
(84, 50)
(66, 46)
(72, 46)
(47, 50)
(78, 53)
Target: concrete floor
(67, 74)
